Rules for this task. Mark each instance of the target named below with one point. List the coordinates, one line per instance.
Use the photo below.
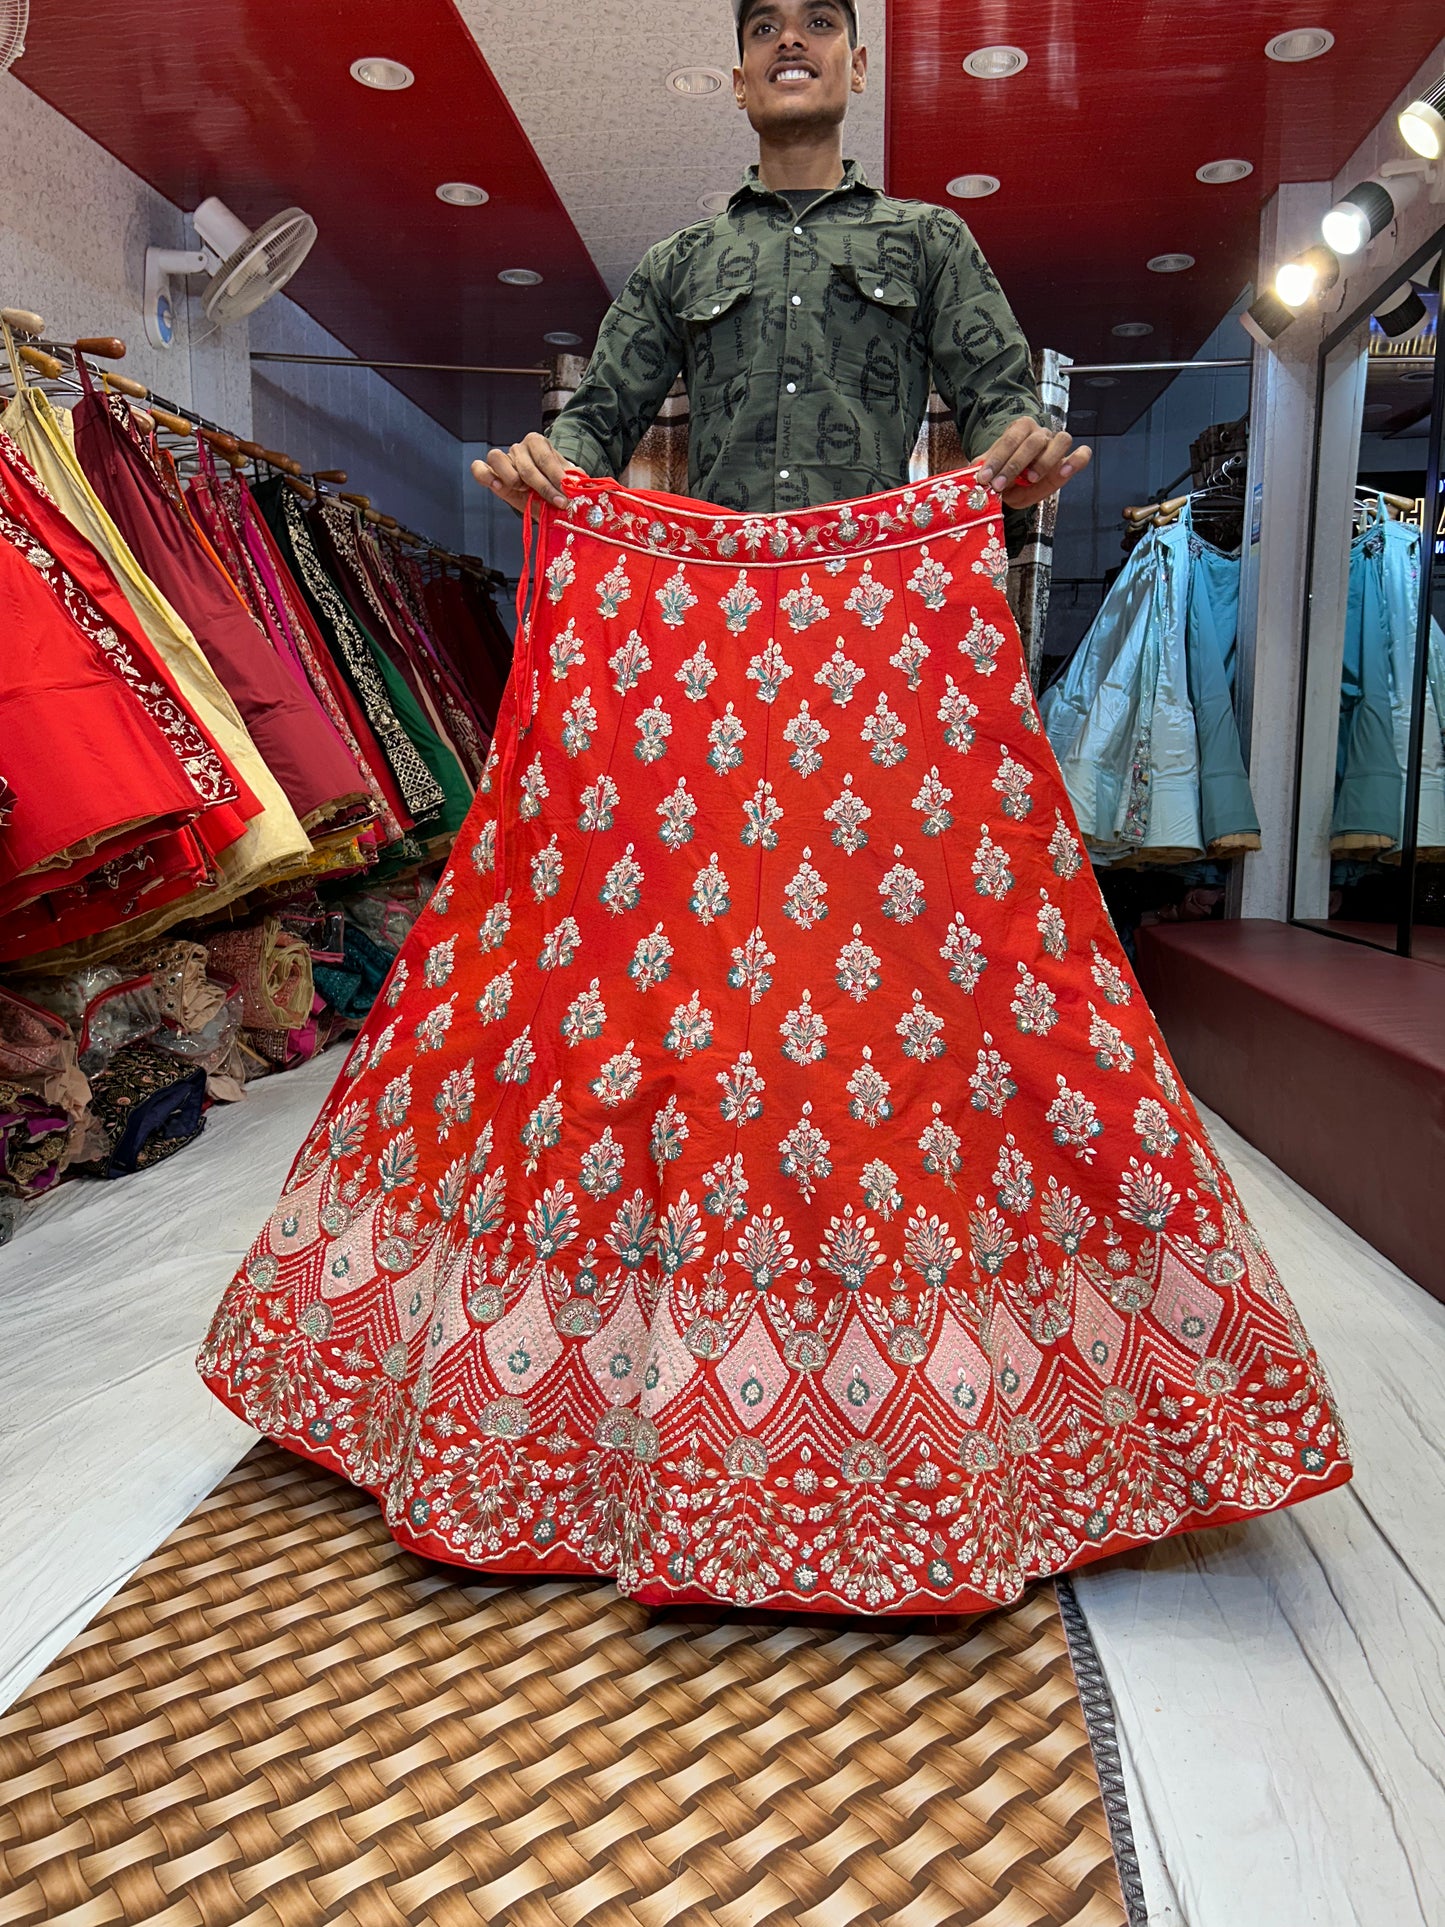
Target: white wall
(74, 227)
(351, 418)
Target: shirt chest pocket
(719, 330)
(871, 322)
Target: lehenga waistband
(672, 525)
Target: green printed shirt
(807, 343)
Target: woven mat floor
(285, 1721)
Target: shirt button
(797, 230)
(877, 296)
(717, 307)
(792, 388)
(797, 301)
(782, 475)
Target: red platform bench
(1329, 1057)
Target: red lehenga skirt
(762, 1179)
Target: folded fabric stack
(111, 1067)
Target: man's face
(797, 66)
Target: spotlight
(1422, 123)
(1366, 211)
(1266, 319)
(1314, 272)
(1401, 314)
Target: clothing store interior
(519, 1522)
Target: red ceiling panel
(252, 100)
(1097, 139)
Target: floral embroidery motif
(725, 738)
(869, 599)
(807, 736)
(698, 674)
(930, 580)
(910, 655)
(740, 604)
(839, 677)
(803, 606)
(982, 644)
(675, 598)
(957, 714)
(711, 893)
(884, 731)
(769, 670)
(847, 814)
(993, 562)
(561, 572)
(614, 589)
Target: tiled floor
(1279, 1685)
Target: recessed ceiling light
(462, 194)
(520, 277)
(696, 82)
(1132, 330)
(1221, 173)
(1300, 43)
(995, 63)
(1418, 374)
(387, 76)
(974, 187)
(715, 203)
(562, 338)
(1103, 381)
(1170, 263)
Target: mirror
(1370, 850)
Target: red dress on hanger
(762, 1179)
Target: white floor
(1279, 1686)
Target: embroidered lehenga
(762, 1179)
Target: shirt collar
(854, 181)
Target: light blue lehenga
(1376, 698)
(1142, 720)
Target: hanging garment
(332, 531)
(288, 727)
(1377, 694)
(90, 849)
(351, 648)
(1228, 822)
(227, 515)
(453, 616)
(413, 717)
(464, 730)
(762, 1179)
(274, 844)
(95, 747)
(1142, 720)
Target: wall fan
(246, 265)
(14, 18)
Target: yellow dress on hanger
(274, 846)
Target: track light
(1313, 272)
(1401, 314)
(1366, 211)
(1266, 319)
(1422, 123)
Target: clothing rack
(56, 362)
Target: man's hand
(1029, 463)
(530, 467)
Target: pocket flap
(704, 309)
